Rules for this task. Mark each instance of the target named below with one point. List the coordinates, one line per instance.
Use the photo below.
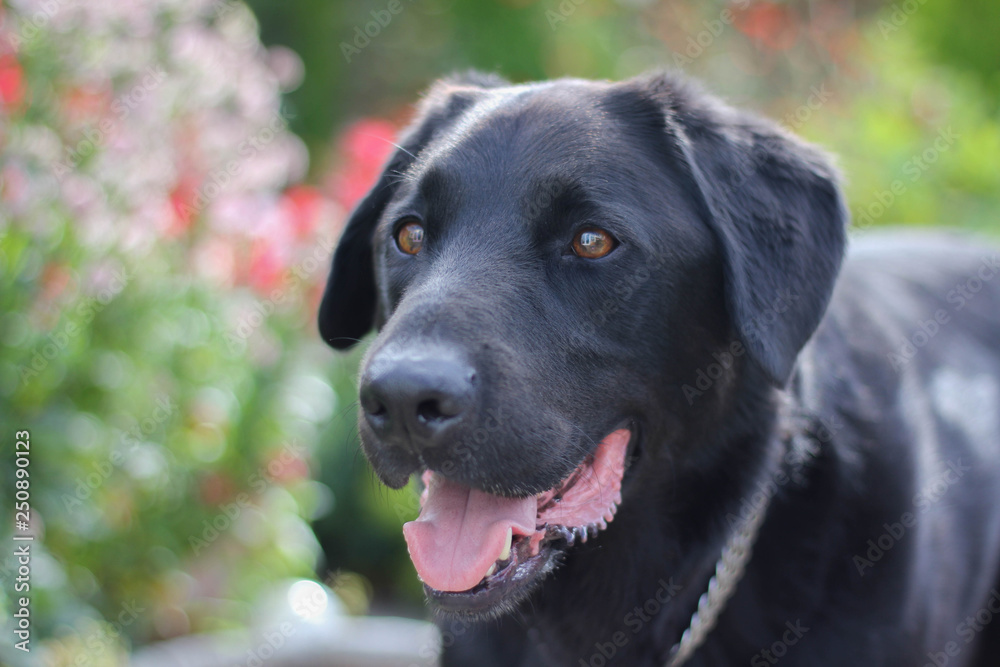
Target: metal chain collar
(729, 570)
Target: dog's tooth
(490, 572)
(505, 554)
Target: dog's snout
(417, 399)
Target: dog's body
(706, 348)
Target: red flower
(11, 82)
(285, 467)
(365, 147)
(769, 24)
(55, 280)
(215, 488)
(301, 205)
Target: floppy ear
(776, 209)
(347, 311)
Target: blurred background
(173, 178)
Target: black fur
(718, 330)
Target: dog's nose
(417, 398)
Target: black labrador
(659, 417)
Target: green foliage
(963, 38)
(918, 143)
(158, 275)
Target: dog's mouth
(474, 550)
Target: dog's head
(566, 277)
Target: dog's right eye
(410, 238)
(593, 243)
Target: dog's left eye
(410, 238)
(593, 243)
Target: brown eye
(593, 243)
(410, 238)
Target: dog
(660, 413)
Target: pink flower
(266, 268)
(182, 201)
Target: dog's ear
(347, 311)
(775, 207)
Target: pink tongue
(461, 531)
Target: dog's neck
(731, 565)
(788, 449)
(704, 566)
